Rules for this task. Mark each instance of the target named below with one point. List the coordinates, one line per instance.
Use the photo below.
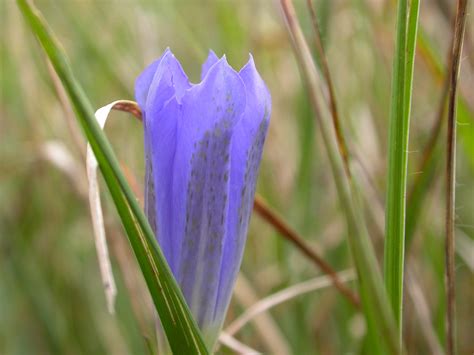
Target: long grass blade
(402, 79)
(181, 330)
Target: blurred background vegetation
(51, 296)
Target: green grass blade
(410, 57)
(402, 78)
(181, 330)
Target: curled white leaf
(96, 207)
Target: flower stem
(344, 151)
(291, 235)
(460, 24)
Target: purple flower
(203, 145)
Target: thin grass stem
(292, 236)
(450, 278)
(344, 151)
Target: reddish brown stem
(292, 236)
(332, 96)
(451, 178)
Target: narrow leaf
(402, 80)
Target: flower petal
(160, 133)
(168, 81)
(143, 82)
(210, 61)
(246, 153)
(162, 112)
(203, 146)
(201, 183)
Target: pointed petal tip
(210, 61)
(223, 64)
(212, 54)
(249, 65)
(166, 52)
